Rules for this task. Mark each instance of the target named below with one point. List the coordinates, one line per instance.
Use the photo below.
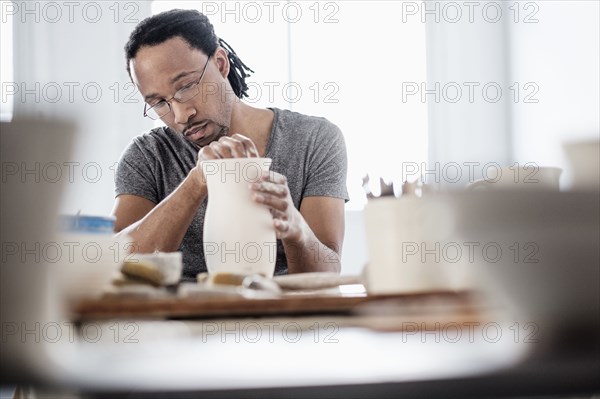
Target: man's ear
(222, 61)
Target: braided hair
(237, 71)
(193, 27)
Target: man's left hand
(272, 190)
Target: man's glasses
(186, 93)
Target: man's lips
(196, 132)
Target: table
(380, 350)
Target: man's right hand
(235, 146)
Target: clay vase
(239, 236)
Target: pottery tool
(247, 281)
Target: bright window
(6, 67)
(343, 60)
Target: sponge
(145, 270)
(160, 268)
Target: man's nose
(183, 111)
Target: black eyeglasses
(186, 93)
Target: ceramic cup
(527, 177)
(239, 236)
(411, 249)
(86, 255)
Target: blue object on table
(87, 224)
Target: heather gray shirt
(309, 151)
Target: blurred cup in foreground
(86, 255)
(29, 203)
(546, 266)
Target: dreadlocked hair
(193, 27)
(237, 71)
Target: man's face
(160, 71)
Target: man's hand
(272, 190)
(303, 232)
(236, 146)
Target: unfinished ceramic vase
(239, 236)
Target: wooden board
(197, 307)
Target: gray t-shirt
(309, 151)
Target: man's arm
(160, 227)
(321, 245)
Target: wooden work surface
(211, 307)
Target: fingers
(273, 192)
(277, 214)
(280, 222)
(236, 146)
(271, 176)
(279, 190)
(281, 228)
(273, 202)
(249, 146)
(207, 153)
(230, 148)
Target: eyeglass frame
(168, 102)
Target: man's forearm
(164, 227)
(308, 254)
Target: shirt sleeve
(135, 174)
(328, 164)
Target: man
(194, 82)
